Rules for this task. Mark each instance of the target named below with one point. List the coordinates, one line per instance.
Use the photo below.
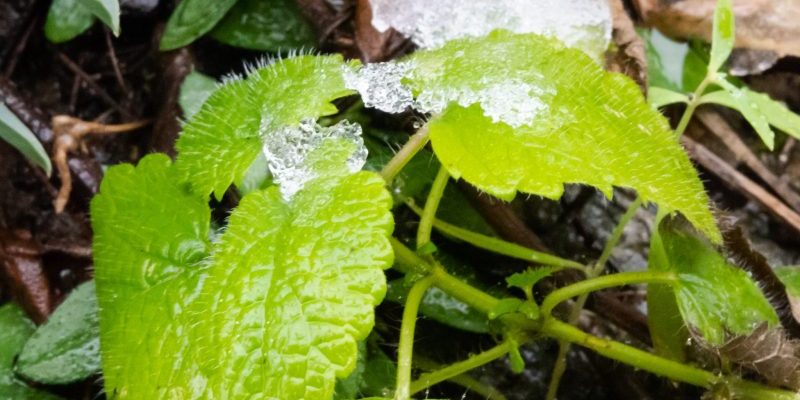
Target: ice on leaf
(289, 149)
(380, 85)
(584, 24)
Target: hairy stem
(563, 346)
(432, 378)
(431, 205)
(406, 347)
(499, 246)
(414, 144)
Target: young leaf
(195, 89)
(16, 328)
(13, 131)
(67, 347)
(660, 97)
(151, 234)
(192, 19)
(723, 35)
(316, 263)
(776, 113)
(749, 109)
(531, 276)
(714, 297)
(224, 138)
(581, 125)
(442, 307)
(265, 25)
(106, 11)
(67, 19)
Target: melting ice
(287, 151)
(584, 24)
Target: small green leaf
(13, 131)
(713, 296)
(265, 25)
(723, 35)
(223, 139)
(195, 89)
(441, 307)
(660, 97)
(695, 66)
(67, 19)
(776, 113)
(67, 347)
(106, 11)
(16, 328)
(505, 306)
(591, 127)
(379, 373)
(749, 109)
(192, 19)
(790, 276)
(530, 277)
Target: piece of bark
(629, 56)
(173, 68)
(20, 258)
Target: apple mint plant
(279, 303)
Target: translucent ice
(287, 152)
(380, 85)
(584, 24)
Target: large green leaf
(292, 288)
(584, 125)
(151, 235)
(192, 19)
(105, 10)
(224, 138)
(67, 347)
(13, 131)
(67, 19)
(16, 328)
(266, 25)
(714, 297)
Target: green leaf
(525, 280)
(192, 19)
(660, 97)
(195, 89)
(592, 127)
(505, 306)
(714, 297)
(379, 373)
(665, 59)
(790, 276)
(695, 66)
(67, 19)
(106, 11)
(776, 113)
(441, 307)
(223, 139)
(749, 109)
(265, 25)
(13, 131)
(16, 328)
(723, 35)
(316, 264)
(151, 236)
(67, 347)
(349, 388)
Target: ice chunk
(287, 152)
(584, 24)
(380, 85)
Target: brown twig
(76, 69)
(738, 181)
(69, 132)
(19, 48)
(115, 62)
(719, 127)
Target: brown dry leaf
(21, 270)
(760, 24)
(769, 353)
(629, 56)
(372, 43)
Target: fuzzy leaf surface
(224, 138)
(714, 297)
(67, 347)
(151, 233)
(591, 127)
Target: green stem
(431, 205)
(406, 347)
(414, 144)
(603, 282)
(432, 378)
(711, 76)
(486, 391)
(616, 235)
(499, 246)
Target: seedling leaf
(749, 109)
(660, 97)
(13, 131)
(67, 347)
(723, 35)
(525, 280)
(224, 138)
(776, 113)
(16, 328)
(265, 25)
(67, 19)
(589, 126)
(105, 10)
(192, 19)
